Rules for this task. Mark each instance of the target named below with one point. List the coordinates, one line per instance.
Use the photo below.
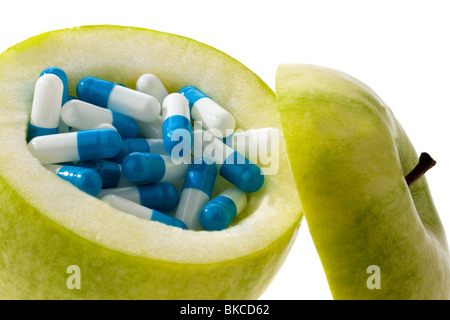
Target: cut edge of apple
(121, 55)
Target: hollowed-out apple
(47, 226)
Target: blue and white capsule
(62, 75)
(46, 107)
(176, 128)
(232, 165)
(119, 98)
(110, 173)
(196, 192)
(83, 116)
(208, 112)
(160, 196)
(150, 84)
(139, 145)
(221, 210)
(142, 212)
(143, 167)
(85, 179)
(76, 146)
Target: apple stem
(425, 164)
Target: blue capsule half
(143, 167)
(201, 175)
(218, 213)
(85, 179)
(98, 144)
(110, 173)
(241, 172)
(131, 145)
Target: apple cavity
(58, 242)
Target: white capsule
(83, 116)
(150, 84)
(46, 107)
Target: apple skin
(47, 225)
(349, 157)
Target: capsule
(85, 179)
(76, 146)
(232, 165)
(221, 210)
(61, 75)
(160, 196)
(66, 97)
(110, 173)
(46, 107)
(196, 192)
(142, 212)
(208, 112)
(143, 167)
(139, 145)
(119, 98)
(176, 128)
(150, 84)
(83, 115)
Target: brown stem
(425, 163)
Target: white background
(399, 48)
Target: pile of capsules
(119, 144)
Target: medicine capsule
(150, 84)
(118, 98)
(176, 128)
(142, 212)
(62, 75)
(152, 129)
(110, 172)
(46, 107)
(221, 210)
(196, 191)
(232, 165)
(208, 112)
(143, 167)
(83, 115)
(139, 145)
(160, 196)
(87, 180)
(76, 146)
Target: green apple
(376, 237)
(57, 242)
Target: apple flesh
(47, 225)
(351, 157)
